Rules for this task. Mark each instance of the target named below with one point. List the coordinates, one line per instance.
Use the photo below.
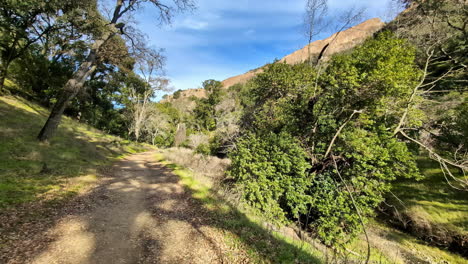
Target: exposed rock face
(243, 78)
(325, 48)
(337, 42)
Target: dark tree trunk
(71, 89)
(2, 82)
(56, 114)
(3, 75)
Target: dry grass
(208, 170)
(196, 140)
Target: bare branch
(414, 92)
(438, 79)
(442, 161)
(361, 220)
(339, 131)
(316, 10)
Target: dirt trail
(143, 215)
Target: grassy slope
(32, 171)
(433, 200)
(430, 202)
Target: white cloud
(191, 23)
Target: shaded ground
(140, 214)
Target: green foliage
(432, 202)
(367, 163)
(204, 115)
(273, 171)
(170, 116)
(279, 97)
(204, 112)
(203, 149)
(438, 27)
(343, 119)
(243, 230)
(176, 94)
(454, 126)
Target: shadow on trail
(245, 233)
(142, 214)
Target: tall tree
(205, 110)
(104, 31)
(23, 23)
(439, 29)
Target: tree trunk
(137, 134)
(71, 89)
(2, 82)
(3, 75)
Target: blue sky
(223, 38)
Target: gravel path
(140, 214)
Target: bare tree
(157, 124)
(180, 135)
(139, 111)
(198, 139)
(314, 20)
(141, 108)
(228, 113)
(105, 31)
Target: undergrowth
(243, 225)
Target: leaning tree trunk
(74, 85)
(71, 89)
(2, 82)
(3, 75)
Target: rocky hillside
(338, 42)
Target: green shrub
(203, 149)
(177, 94)
(346, 115)
(272, 172)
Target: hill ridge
(337, 42)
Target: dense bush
(204, 111)
(319, 148)
(203, 149)
(272, 169)
(453, 124)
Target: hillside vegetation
(247, 229)
(34, 171)
(430, 209)
(354, 147)
(331, 144)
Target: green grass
(33, 171)
(413, 248)
(432, 199)
(245, 231)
